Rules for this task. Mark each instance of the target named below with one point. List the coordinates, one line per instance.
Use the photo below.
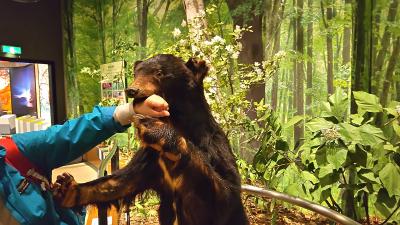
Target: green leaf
(356, 119)
(329, 179)
(281, 145)
(391, 111)
(309, 176)
(295, 190)
(349, 133)
(325, 195)
(326, 110)
(121, 139)
(360, 156)
(318, 124)
(325, 170)
(367, 102)
(293, 121)
(390, 177)
(390, 147)
(336, 156)
(385, 204)
(338, 98)
(320, 156)
(396, 128)
(339, 103)
(367, 176)
(394, 103)
(371, 135)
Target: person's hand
(153, 106)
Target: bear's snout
(131, 92)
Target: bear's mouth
(139, 100)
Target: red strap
(15, 158)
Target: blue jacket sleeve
(60, 144)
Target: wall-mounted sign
(13, 50)
(113, 81)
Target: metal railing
(328, 213)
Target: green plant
(342, 152)
(228, 81)
(144, 204)
(349, 153)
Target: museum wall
(36, 27)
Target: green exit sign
(7, 49)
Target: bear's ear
(136, 64)
(199, 69)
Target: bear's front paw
(65, 190)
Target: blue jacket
(50, 149)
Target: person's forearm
(61, 144)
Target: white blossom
(182, 42)
(207, 43)
(183, 24)
(194, 48)
(258, 71)
(176, 33)
(85, 70)
(208, 79)
(280, 54)
(217, 39)
(229, 49)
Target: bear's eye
(159, 73)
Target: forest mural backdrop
(308, 91)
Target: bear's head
(169, 77)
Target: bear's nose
(131, 92)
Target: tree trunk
(309, 62)
(361, 69)
(380, 59)
(361, 78)
(281, 103)
(142, 11)
(346, 38)
(195, 12)
(252, 45)
(272, 21)
(275, 83)
(294, 88)
(70, 59)
(276, 32)
(286, 97)
(398, 91)
(389, 72)
(165, 12)
(114, 24)
(299, 127)
(160, 4)
(116, 9)
(329, 46)
(101, 29)
(376, 38)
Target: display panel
(25, 90)
(5, 90)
